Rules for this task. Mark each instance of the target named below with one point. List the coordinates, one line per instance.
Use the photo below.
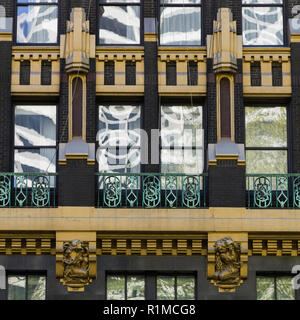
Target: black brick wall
(6, 108)
(239, 110)
(226, 185)
(9, 7)
(76, 184)
(295, 107)
(63, 104)
(150, 8)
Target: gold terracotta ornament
(227, 264)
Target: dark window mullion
(175, 289)
(125, 286)
(26, 287)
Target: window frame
(274, 276)
(126, 275)
(119, 3)
(183, 104)
(282, 5)
(202, 33)
(14, 147)
(288, 129)
(26, 274)
(119, 148)
(35, 44)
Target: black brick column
(151, 112)
(226, 179)
(295, 107)
(77, 177)
(6, 109)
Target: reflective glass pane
(186, 161)
(266, 161)
(266, 127)
(185, 288)
(36, 287)
(115, 288)
(119, 126)
(284, 288)
(37, 24)
(119, 25)
(120, 1)
(165, 288)
(35, 126)
(35, 160)
(262, 1)
(118, 160)
(265, 288)
(16, 287)
(135, 288)
(181, 126)
(180, 1)
(262, 26)
(180, 26)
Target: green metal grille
(273, 191)
(151, 190)
(27, 190)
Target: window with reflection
(119, 22)
(266, 140)
(125, 287)
(35, 138)
(175, 287)
(274, 288)
(262, 22)
(180, 22)
(181, 147)
(119, 138)
(37, 21)
(26, 287)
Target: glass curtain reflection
(274, 288)
(262, 24)
(180, 22)
(37, 23)
(35, 139)
(119, 24)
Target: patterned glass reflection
(265, 288)
(115, 287)
(185, 288)
(36, 287)
(180, 1)
(165, 288)
(135, 288)
(37, 24)
(119, 138)
(119, 25)
(262, 26)
(16, 287)
(284, 288)
(180, 26)
(266, 127)
(262, 1)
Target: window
(274, 288)
(37, 21)
(180, 22)
(125, 287)
(119, 22)
(263, 22)
(181, 139)
(119, 138)
(266, 140)
(26, 287)
(35, 138)
(175, 287)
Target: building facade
(149, 149)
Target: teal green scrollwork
(112, 191)
(296, 192)
(151, 191)
(21, 190)
(5, 188)
(171, 190)
(262, 192)
(191, 191)
(40, 191)
(281, 191)
(132, 184)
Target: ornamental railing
(273, 191)
(27, 190)
(151, 190)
